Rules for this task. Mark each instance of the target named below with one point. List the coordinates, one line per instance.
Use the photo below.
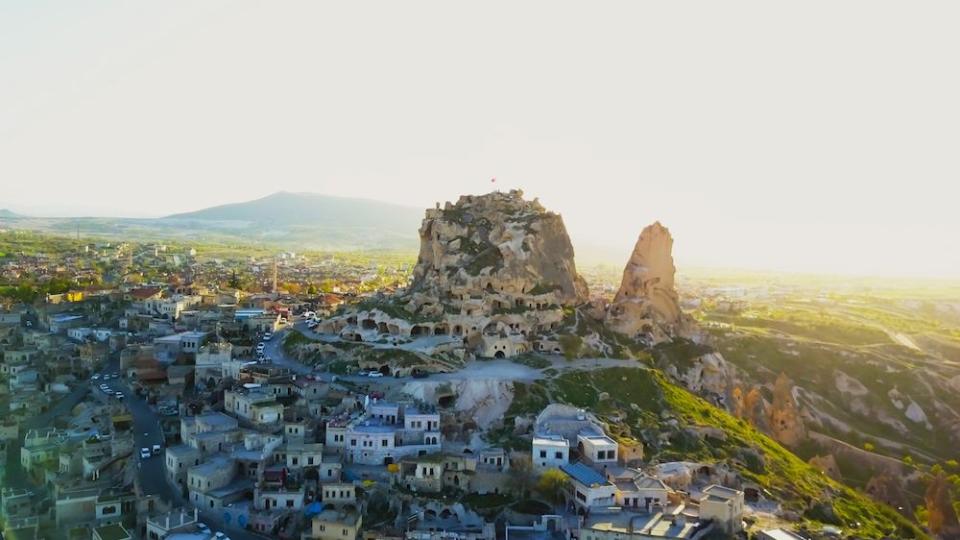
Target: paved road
(151, 471)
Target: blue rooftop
(583, 474)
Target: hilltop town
(485, 391)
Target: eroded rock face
(786, 424)
(647, 301)
(942, 518)
(497, 243)
(888, 489)
(826, 464)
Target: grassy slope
(781, 472)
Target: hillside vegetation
(641, 403)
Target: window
(383, 442)
(310, 460)
(543, 453)
(353, 442)
(289, 503)
(295, 461)
(558, 455)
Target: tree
(234, 282)
(570, 345)
(521, 479)
(553, 484)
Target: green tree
(570, 345)
(552, 485)
(521, 479)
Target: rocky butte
(492, 278)
(496, 277)
(647, 302)
(495, 244)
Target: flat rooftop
(655, 525)
(112, 532)
(178, 518)
(551, 440)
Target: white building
(597, 448)
(643, 493)
(588, 488)
(550, 452)
(723, 505)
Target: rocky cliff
(647, 301)
(496, 243)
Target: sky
(815, 136)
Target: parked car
(156, 449)
(118, 395)
(363, 373)
(96, 377)
(268, 336)
(375, 374)
(144, 453)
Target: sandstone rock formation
(750, 406)
(888, 489)
(647, 302)
(493, 276)
(497, 243)
(786, 425)
(826, 464)
(942, 518)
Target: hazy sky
(808, 136)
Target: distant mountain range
(294, 220)
(311, 209)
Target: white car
(118, 395)
(156, 449)
(375, 374)
(268, 336)
(144, 453)
(312, 324)
(363, 373)
(261, 346)
(95, 377)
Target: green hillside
(641, 403)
